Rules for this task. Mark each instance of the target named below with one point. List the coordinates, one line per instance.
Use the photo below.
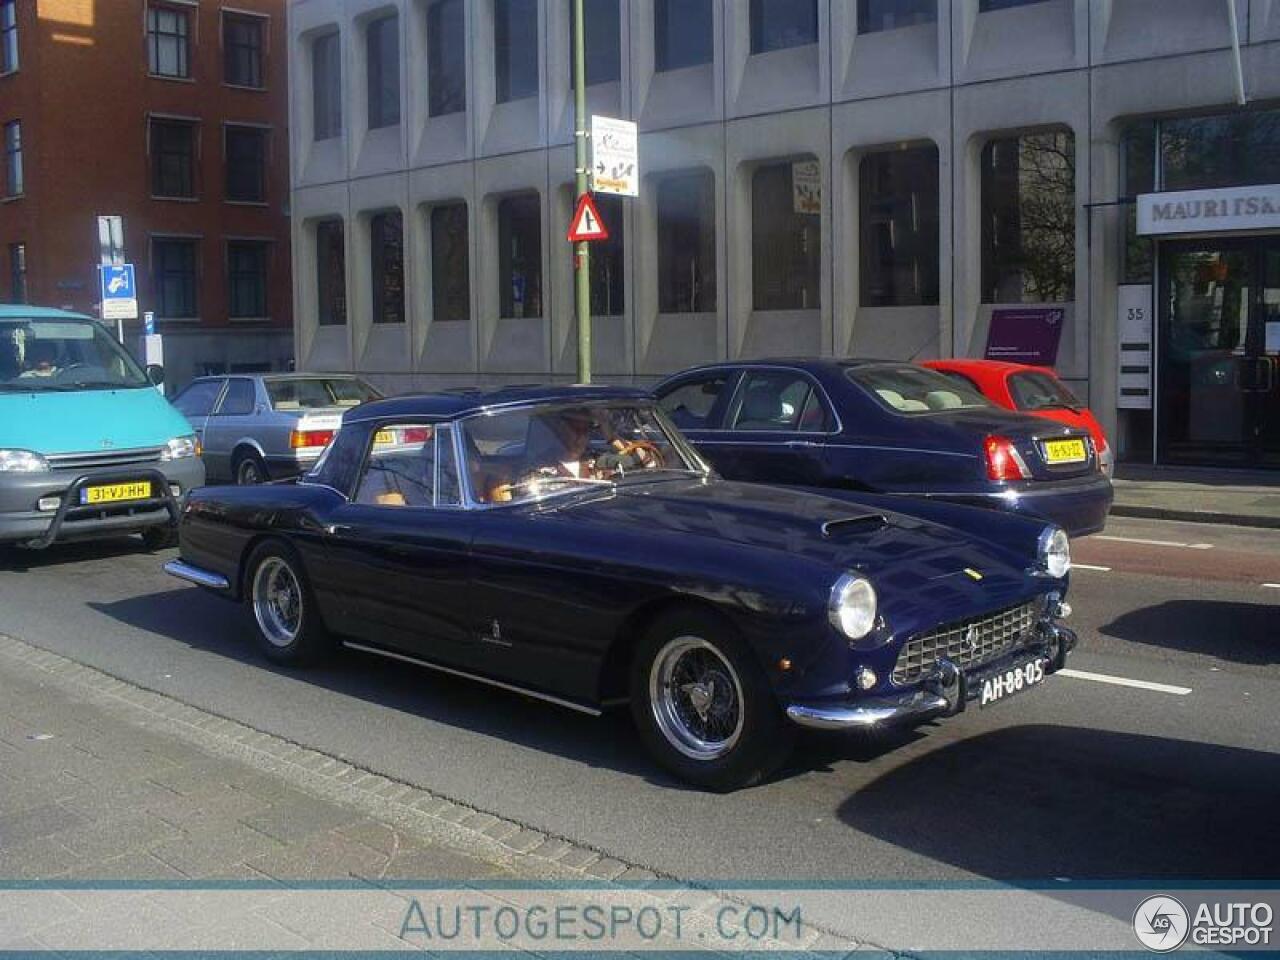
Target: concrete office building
(849, 177)
(170, 114)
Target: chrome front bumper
(944, 692)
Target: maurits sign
(1206, 211)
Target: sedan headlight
(179, 448)
(22, 461)
(852, 607)
(1054, 552)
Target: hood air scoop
(864, 523)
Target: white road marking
(1090, 566)
(1155, 543)
(1272, 586)
(1125, 682)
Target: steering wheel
(645, 452)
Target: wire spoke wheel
(277, 602)
(696, 698)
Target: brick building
(172, 115)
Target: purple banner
(1029, 335)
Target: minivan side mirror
(155, 373)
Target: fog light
(49, 503)
(866, 678)
(175, 489)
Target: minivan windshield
(314, 393)
(63, 355)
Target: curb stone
(528, 852)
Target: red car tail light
(310, 438)
(1003, 460)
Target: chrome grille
(967, 643)
(104, 458)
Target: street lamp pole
(582, 251)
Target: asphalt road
(1091, 777)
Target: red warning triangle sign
(587, 224)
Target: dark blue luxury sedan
(569, 544)
(890, 428)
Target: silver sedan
(257, 427)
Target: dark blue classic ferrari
(569, 543)
(886, 427)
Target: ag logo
(1161, 923)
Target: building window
(603, 59)
(8, 36)
(386, 266)
(13, 180)
(1138, 157)
(1029, 219)
(683, 34)
(446, 57)
(520, 256)
(242, 44)
(686, 211)
(331, 273)
(168, 48)
(18, 273)
(450, 264)
(174, 265)
(247, 279)
(786, 236)
(326, 86)
(899, 211)
(877, 15)
(986, 6)
(607, 277)
(515, 49)
(382, 70)
(173, 150)
(246, 164)
(778, 24)
(1231, 150)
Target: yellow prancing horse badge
(972, 573)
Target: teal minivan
(88, 446)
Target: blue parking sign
(119, 292)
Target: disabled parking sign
(119, 292)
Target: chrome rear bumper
(944, 691)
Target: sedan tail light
(310, 438)
(1003, 460)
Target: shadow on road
(23, 560)
(1039, 802)
(1238, 632)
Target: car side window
(238, 400)
(779, 400)
(198, 399)
(692, 402)
(338, 464)
(448, 486)
(400, 470)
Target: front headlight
(1054, 552)
(852, 607)
(179, 448)
(22, 461)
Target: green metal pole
(582, 251)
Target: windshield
(534, 452)
(63, 355)
(312, 393)
(1041, 391)
(915, 390)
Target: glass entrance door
(1219, 361)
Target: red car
(1028, 389)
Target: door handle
(334, 529)
(801, 443)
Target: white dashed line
(1272, 586)
(1125, 682)
(1090, 566)
(1154, 543)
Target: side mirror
(155, 373)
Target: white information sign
(1136, 346)
(1205, 211)
(615, 152)
(806, 187)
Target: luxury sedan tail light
(1003, 460)
(310, 438)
